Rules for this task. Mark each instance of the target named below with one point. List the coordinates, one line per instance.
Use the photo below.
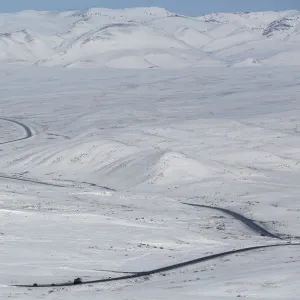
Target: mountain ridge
(126, 38)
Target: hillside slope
(149, 38)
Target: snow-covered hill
(149, 38)
(96, 166)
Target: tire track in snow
(248, 222)
(28, 132)
(89, 184)
(22, 179)
(158, 270)
(30, 180)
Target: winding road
(159, 270)
(27, 130)
(28, 133)
(130, 275)
(252, 225)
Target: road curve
(27, 131)
(159, 270)
(248, 222)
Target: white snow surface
(149, 37)
(100, 185)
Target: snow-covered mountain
(149, 38)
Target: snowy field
(96, 166)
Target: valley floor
(97, 165)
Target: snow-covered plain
(99, 188)
(149, 37)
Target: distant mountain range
(149, 38)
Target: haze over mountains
(149, 38)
